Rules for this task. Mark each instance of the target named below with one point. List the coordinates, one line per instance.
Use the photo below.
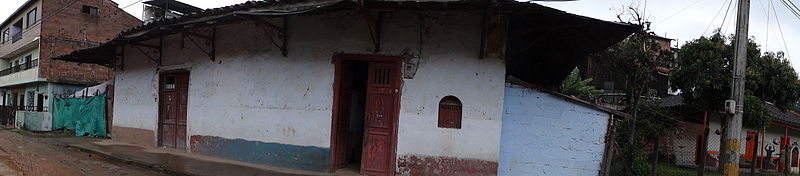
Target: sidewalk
(176, 162)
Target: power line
(785, 47)
(715, 17)
(129, 5)
(760, 2)
(676, 13)
(792, 8)
(795, 7)
(722, 26)
(770, 7)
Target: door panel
(168, 135)
(751, 139)
(343, 115)
(173, 98)
(382, 97)
(375, 151)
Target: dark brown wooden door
(343, 115)
(173, 97)
(381, 116)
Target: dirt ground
(27, 154)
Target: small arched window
(450, 112)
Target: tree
(575, 86)
(635, 59)
(703, 72)
(772, 78)
(703, 75)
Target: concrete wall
(545, 135)
(21, 77)
(34, 121)
(251, 101)
(29, 33)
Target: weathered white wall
(450, 66)
(251, 92)
(772, 136)
(545, 135)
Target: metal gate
(7, 114)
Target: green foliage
(652, 122)
(703, 74)
(772, 78)
(574, 85)
(756, 114)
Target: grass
(666, 169)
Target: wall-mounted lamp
(410, 65)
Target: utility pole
(734, 126)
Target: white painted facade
(771, 137)
(254, 93)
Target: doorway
(366, 104)
(352, 101)
(173, 98)
(40, 103)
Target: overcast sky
(682, 20)
(685, 20)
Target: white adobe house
(382, 87)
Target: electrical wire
(770, 7)
(785, 47)
(715, 17)
(792, 8)
(129, 5)
(722, 26)
(676, 13)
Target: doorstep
(176, 162)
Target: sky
(682, 20)
(685, 20)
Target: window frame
(87, 9)
(28, 16)
(451, 112)
(5, 35)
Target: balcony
(16, 37)
(19, 68)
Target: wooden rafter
(210, 40)
(279, 33)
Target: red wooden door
(343, 116)
(381, 117)
(751, 140)
(173, 91)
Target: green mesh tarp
(82, 115)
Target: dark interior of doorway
(353, 94)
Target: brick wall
(66, 28)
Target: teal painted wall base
(275, 154)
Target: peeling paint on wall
(253, 93)
(428, 165)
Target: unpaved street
(32, 155)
